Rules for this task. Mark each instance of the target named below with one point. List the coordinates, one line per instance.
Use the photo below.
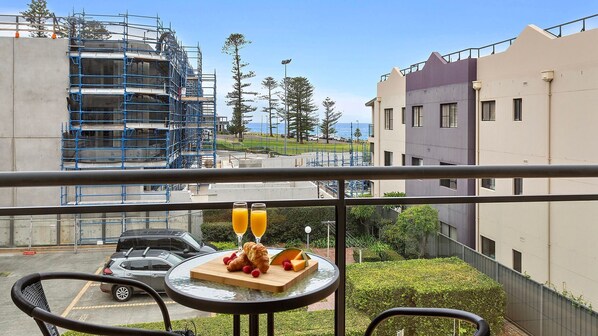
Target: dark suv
(176, 241)
(147, 266)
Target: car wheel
(122, 293)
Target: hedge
(285, 225)
(292, 323)
(441, 283)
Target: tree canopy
(301, 107)
(238, 97)
(329, 119)
(270, 97)
(412, 229)
(36, 15)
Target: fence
(534, 307)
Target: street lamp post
(286, 104)
(308, 231)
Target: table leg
(270, 324)
(236, 325)
(254, 327)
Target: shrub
(443, 283)
(323, 242)
(218, 232)
(226, 245)
(367, 255)
(390, 255)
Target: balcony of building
(533, 306)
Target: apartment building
(387, 132)
(440, 130)
(537, 105)
(525, 100)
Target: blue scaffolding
(135, 102)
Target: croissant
(238, 263)
(258, 255)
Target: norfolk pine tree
(270, 84)
(36, 15)
(330, 118)
(238, 97)
(302, 107)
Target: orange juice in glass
(240, 219)
(259, 220)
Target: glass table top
(216, 297)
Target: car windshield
(173, 259)
(191, 241)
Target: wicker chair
(482, 326)
(28, 294)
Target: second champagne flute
(259, 220)
(240, 220)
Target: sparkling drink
(259, 220)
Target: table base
(254, 324)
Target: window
(517, 109)
(388, 119)
(517, 261)
(417, 161)
(450, 182)
(488, 108)
(517, 186)
(417, 113)
(448, 115)
(488, 183)
(139, 265)
(488, 247)
(448, 230)
(387, 158)
(403, 115)
(159, 265)
(403, 159)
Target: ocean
(343, 130)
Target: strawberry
(287, 266)
(247, 269)
(255, 273)
(226, 260)
(234, 255)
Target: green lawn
(268, 144)
(297, 322)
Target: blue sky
(342, 47)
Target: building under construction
(138, 99)
(102, 92)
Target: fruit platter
(252, 267)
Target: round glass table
(221, 298)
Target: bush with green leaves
(441, 283)
(218, 232)
(410, 234)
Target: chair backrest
(482, 328)
(29, 296)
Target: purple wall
(439, 83)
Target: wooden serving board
(275, 280)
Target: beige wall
(390, 94)
(517, 73)
(34, 77)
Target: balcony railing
(340, 203)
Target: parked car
(148, 266)
(176, 241)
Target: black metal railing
(341, 175)
(567, 28)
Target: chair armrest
(482, 326)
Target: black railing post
(340, 259)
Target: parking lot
(77, 300)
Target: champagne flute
(240, 220)
(259, 220)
